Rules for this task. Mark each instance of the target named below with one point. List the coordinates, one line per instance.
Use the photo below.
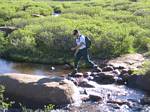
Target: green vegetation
(3, 105)
(144, 70)
(116, 27)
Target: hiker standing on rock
(81, 50)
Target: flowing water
(110, 92)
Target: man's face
(75, 33)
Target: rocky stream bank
(105, 88)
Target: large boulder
(7, 29)
(128, 61)
(139, 81)
(107, 68)
(143, 82)
(41, 89)
(104, 78)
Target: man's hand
(76, 52)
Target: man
(80, 51)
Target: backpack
(88, 42)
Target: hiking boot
(73, 72)
(96, 69)
(95, 66)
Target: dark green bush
(3, 42)
(113, 27)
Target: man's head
(76, 33)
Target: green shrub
(3, 104)
(57, 9)
(22, 38)
(113, 27)
(3, 43)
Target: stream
(111, 92)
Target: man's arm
(77, 47)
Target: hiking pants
(83, 53)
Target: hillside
(115, 26)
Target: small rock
(86, 83)
(84, 97)
(83, 91)
(124, 71)
(107, 68)
(66, 67)
(52, 68)
(95, 97)
(90, 78)
(117, 72)
(94, 74)
(104, 78)
(87, 74)
(118, 65)
(120, 81)
(73, 80)
(79, 74)
(125, 77)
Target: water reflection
(29, 68)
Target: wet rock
(129, 71)
(67, 67)
(94, 74)
(118, 65)
(73, 80)
(117, 72)
(87, 84)
(40, 89)
(119, 81)
(145, 100)
(90, 78)
(82, 91)
(119, 102)
(132, 81)
(84, 97)
(95, 97)
(78, 74)
(125, 77)
(115, 106)
(124, 71)
(87, 74)
(52, 68)
(104, 78)
(107, 68)
(7, 29)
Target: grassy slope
(115, 27)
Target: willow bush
(115, 27)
